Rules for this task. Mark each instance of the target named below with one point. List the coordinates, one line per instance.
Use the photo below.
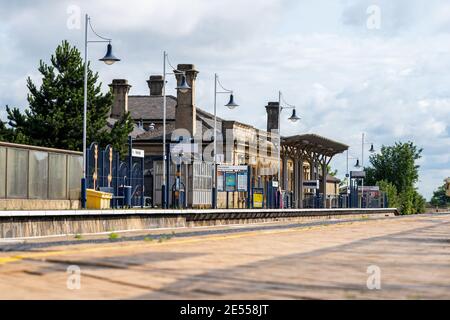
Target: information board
(242, 181)
(230, 181)
(258, 198)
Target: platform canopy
(313, 143)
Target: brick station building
(304, 156)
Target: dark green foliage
(54, 117)
(440, 198)
(395, 170)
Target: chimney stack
(120, 89)
(186, 114)
(273, 115)
(155, 84)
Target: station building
(305, 157)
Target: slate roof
(150, 107)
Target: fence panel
(30, 172)
(75, 172)
(17, 174)
(38, 175)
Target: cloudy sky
(350, 66)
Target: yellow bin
(98, 200)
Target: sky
(350, 66)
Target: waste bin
(98, 200)
(125, 191)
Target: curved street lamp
(293, 118)
(108, 59)
(183, 87)
(230, 105)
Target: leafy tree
(55, 114)
(440, 198)
(396, 166)
(391, 193)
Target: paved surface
(276, 261)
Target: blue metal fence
(124, 178)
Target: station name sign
(311, 184)
(137, 153)
(357, 174)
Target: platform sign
(311, 184)
(258, 198)
(358, 174)
(242, 181)
(230, 181)
(137, 153)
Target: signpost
(311, 184)
(357, 174)
(137, 153)
(232, 178)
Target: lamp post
(183, 88)
(231, 105)
(293, 118)
(357, 166)
(372, 150)
(108, 59)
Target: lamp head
(231, 104)
(183, 87)
(357, 165)
(294, 117)
(109, 57)
(372, 149)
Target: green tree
(440, 198)
(396, 165)
(54, 117)
(391, 193)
